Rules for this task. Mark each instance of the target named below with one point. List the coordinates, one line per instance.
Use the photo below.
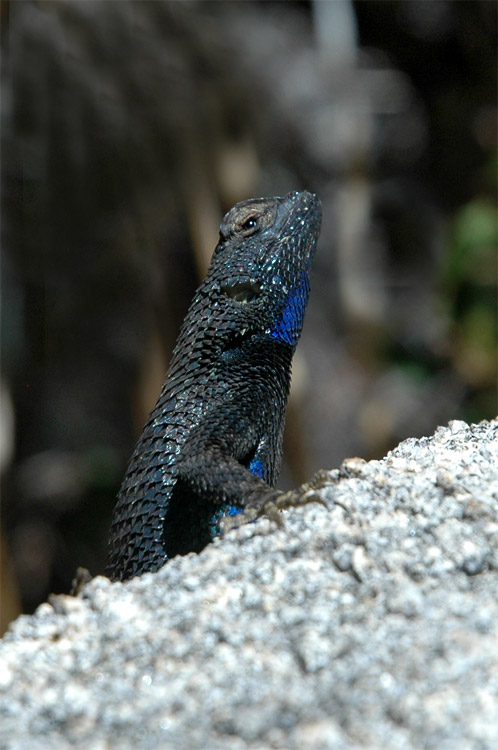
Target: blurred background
(130, 128)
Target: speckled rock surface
(373, 624)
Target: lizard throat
(290, 321)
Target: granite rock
(370, 623)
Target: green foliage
(470, 285)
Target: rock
(371, 624)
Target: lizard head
(261, 265)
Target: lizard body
(212, 445)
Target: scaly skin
(212, 446)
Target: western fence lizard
(212, 445)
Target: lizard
(209, 455)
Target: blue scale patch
(227, 510)
(256, 467)
(290, 322)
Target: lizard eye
(247, 219)
(242, 292)
(249, 226)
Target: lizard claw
(270, 508)
(227, 523)
(296, 498)
(81, 578)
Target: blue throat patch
(289, 324)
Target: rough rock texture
(373, 624)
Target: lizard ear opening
(242, 292)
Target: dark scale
(213, 443)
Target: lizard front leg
(240, 495)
